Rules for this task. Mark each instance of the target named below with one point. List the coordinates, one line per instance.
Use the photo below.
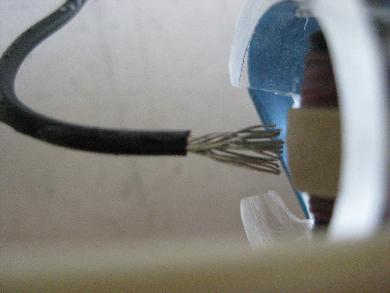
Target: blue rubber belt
(276, 65)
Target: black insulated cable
(23, 119)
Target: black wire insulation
(23, 119)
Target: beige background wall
(155, 64)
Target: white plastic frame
(360, 72)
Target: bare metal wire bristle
(255, 147)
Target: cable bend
(24, 120)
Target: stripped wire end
(256, 147)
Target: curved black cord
(25, 120)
